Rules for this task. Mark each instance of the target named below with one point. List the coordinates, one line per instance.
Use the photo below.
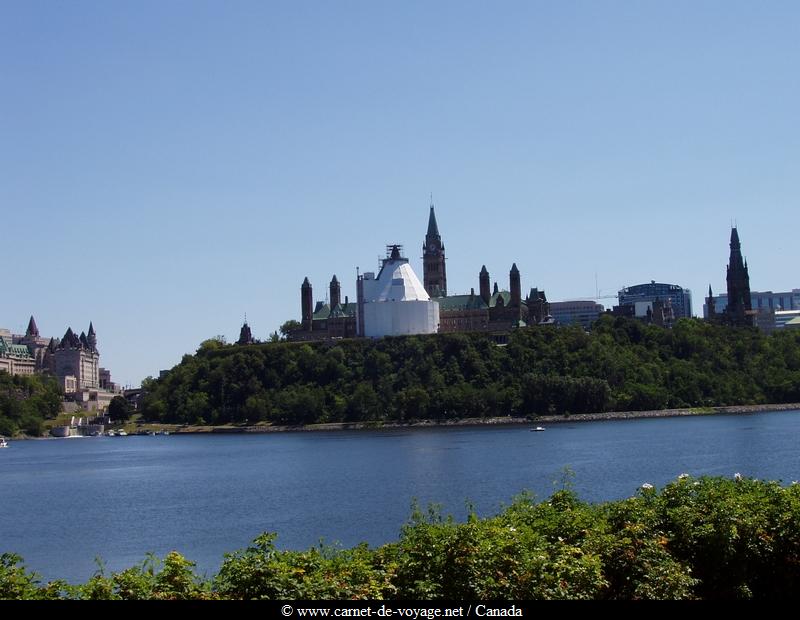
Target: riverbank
(539, 420)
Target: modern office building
(642, 294)
(582, 312)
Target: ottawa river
(64, 502)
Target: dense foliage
(25, 402)
(708, 538)
(621, 365)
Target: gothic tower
(739, 304)
(307, 304)
(336, 292)
(434, 277)
(516, 288)
(483, 281)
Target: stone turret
(335, 291)
(516, 288)
(307, 304)
(483, 282)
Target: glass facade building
(680, 297)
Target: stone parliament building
(493, 310)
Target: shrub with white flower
(737, 476)
(647, 486)
(683, 476)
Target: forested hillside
(621, 365)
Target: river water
(64, 502)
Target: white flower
(647, 486)
(683, 476)
(795, 482)
(512, 529)
(737, 476)
(695, 484)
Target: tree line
(26, 402)
(621, 365)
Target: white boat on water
(538, 429)
(3, 442)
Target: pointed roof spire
(483, 270)
(91, 329)
(514, 268)
(433, 228)
(735, 238)
(32, 329)
(710, 294)
(496, 289)
(334, 279)
(306, 283)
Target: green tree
(119, 409)
(288, 327)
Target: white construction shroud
(396, 303)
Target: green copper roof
(14, 350)
(504, 294)
(460, 302)
(341, 310)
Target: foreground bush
(695, 538)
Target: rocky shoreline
(586, 417)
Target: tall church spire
(738, 279)
(32, 329)
(434, 275)
(735, 243)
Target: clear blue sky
(167, 166)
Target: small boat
(122, 434)
(538, 429)
(3, 442)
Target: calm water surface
(65, 502)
